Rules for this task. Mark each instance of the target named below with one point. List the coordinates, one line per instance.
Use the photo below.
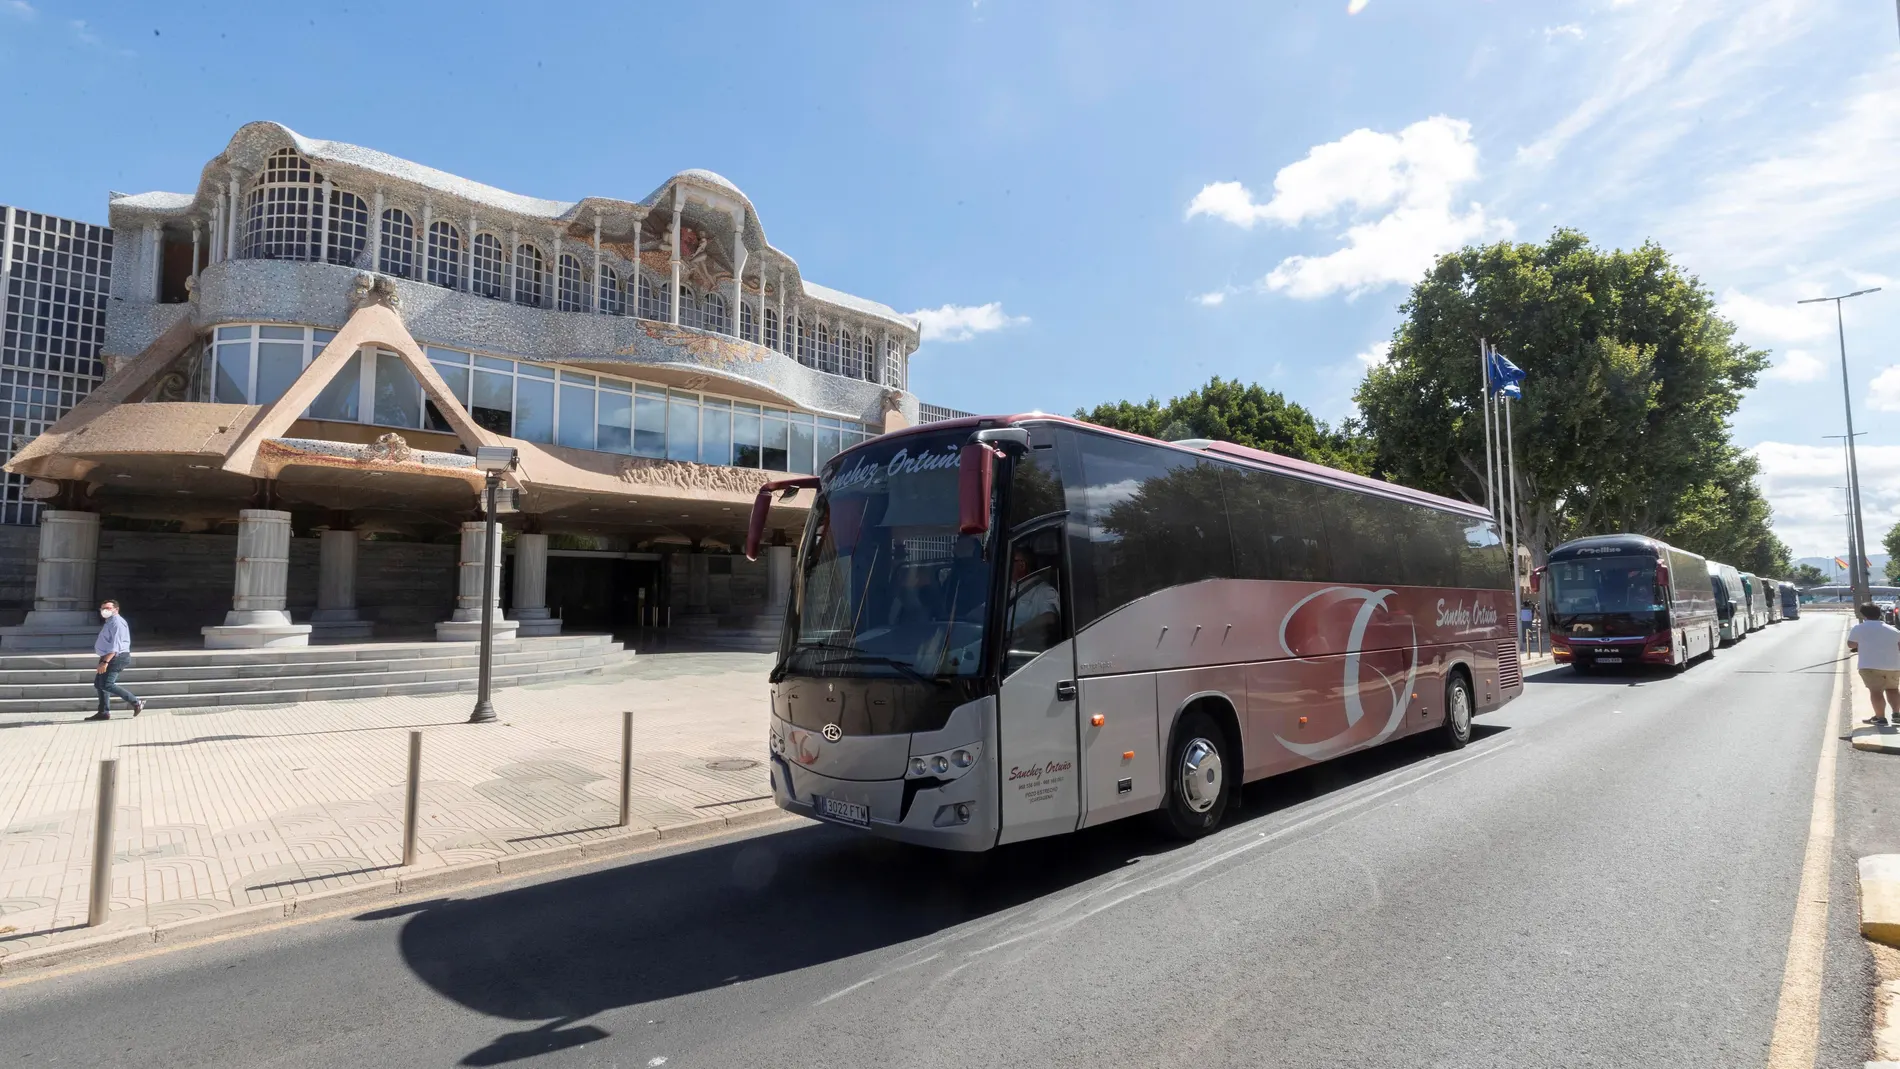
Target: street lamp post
(1858, 566)
(493, 461)
(1856, 552)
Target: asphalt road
(1606, 877)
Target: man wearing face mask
(114, 647)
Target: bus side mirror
(762, 507)
(975, 478)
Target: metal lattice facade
(56, 277)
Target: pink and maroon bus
(1003, 628)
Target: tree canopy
(1631, 378)
(1807, 575)
(1245, 414)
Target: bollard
(626, 768)
(101, 902)
(411, 795)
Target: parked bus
(1771, 596)
(1007, 628)
(1757, 604)
(1628, 599)
(1731, 603)
(1790, 602)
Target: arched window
(281, 214)
(869, 348)
(653, 300)
(893, 366)
(771, 330)
(485, 273)
(805, 354)
(611, 301)
(530, 287)
(748, 323)
(573, 292)
(445, 256)
(689, 308)
(712, 313)
(827, 351)
(349, 228)
(847, 354)
(398, 244)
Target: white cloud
(1568, 29)
(1761, 321)
(1799, 365)
(84, 35)
(961, 322)
(1375, 355)
(1211, 299)
(1827, 184)
(1800, 483)
(1354, 7)
(1399, 189)
(21, 8)
(1883, 394)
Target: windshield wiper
(859, 657)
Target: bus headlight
(946, 765)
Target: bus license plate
(1609, 660)
(841, 811)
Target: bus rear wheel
(1458, 708)
(1199, 782)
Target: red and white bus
(1005, 628)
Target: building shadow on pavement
(561, 951)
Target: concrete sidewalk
(219, 809)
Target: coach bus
(1731, 603)
(1628, 599)
(1013, 627)
(1771, 598)
(1790, 602)
(1757, 604)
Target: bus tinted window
(1276, 528)
(1035, 485)
(1154, 519)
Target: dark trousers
(107, 684)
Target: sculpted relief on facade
(685, 475)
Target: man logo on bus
(1339, 620)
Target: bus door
(1036, 763)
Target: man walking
(1878, 645)
(114, 647)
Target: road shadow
(662, 927)
(1625, 676)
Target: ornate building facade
(313, 342)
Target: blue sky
(1099, 201)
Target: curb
(1873, 739)
(1880, 898)
(120, 942)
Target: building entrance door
(603, 593)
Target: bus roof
(1625, 542)
(1300, 469)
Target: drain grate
(732, 764)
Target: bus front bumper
(956, 815)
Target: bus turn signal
(1097, 720)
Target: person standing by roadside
(1878, 645)
(114, 647)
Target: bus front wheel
(1457, 712)
(1199, 780)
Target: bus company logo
(832, 732)
(1036, 772)
(1475, 618)
(1340, 619)
(803, 747)
(868, 472)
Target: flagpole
(1484, 371)
(1510, 449)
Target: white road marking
(874, 978)
(1797, 1033)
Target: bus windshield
(887, 587)
(1619, 587)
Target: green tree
(1631, 378)
(1807, 575)
(1245, 414)
(1891, 544)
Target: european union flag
(1505, 376)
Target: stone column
(778, 577)
(698, 584)
(336, 616)
(376, 234)
(465, 623)
(679, 205)
(738, 278)
(593, 299)
(257, 616)
(326, 192)
(531, 587)
(64, 615)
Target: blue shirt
(115, 637)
